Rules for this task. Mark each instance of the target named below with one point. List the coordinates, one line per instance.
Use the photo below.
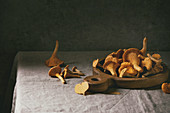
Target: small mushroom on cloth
(56, 71)
(166, 87)
(76, 71)
(126, 69)
(68, 74)
(54, 60)
(111, 67)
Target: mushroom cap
(112, 54)
(115, 57)
(111, 67)
(74, 68)
(110, 63)
(54, 70)
(119, 53)
(130, 70)
(124, 65)
(68, 73)
(147, 62)
(156, 56)
(111, 58)
(131, 55)
(53, 61)
(166, 87)
(95, 62)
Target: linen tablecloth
(36, 91)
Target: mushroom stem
(111, 67)
(138, 74)
(141, 57)
(56, 71)
(54, 60)
(138, 68)
(69, 74)
(143, 50)
(113, 72)
(122, 72)
(74, 76)
(61, 78)
(76, 71)
(153, 59)
(55, 50)
(147, 73)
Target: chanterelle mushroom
(69, 74)
(131, 55)
(166, 87)
(156, 56)
(158, 61)
(75, 70)
(126, 69)
(56, 71)
(54, 60)
(147, 62)
(111, 67)
(96, 63)
(115, 57)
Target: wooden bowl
(145, 82)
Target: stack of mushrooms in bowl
(132, 62)
(132, 68)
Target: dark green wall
(30, 25)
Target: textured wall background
(84, 24)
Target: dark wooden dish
(145, 82)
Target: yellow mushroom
(126, 69)
(54, 60)
(111, 67)
(56, 71)
(68, 74)
(131, 55)
(166, 87)
(76, 71)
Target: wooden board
(145, 82)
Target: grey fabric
(35, 91)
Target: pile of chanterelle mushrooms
(131, 62)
